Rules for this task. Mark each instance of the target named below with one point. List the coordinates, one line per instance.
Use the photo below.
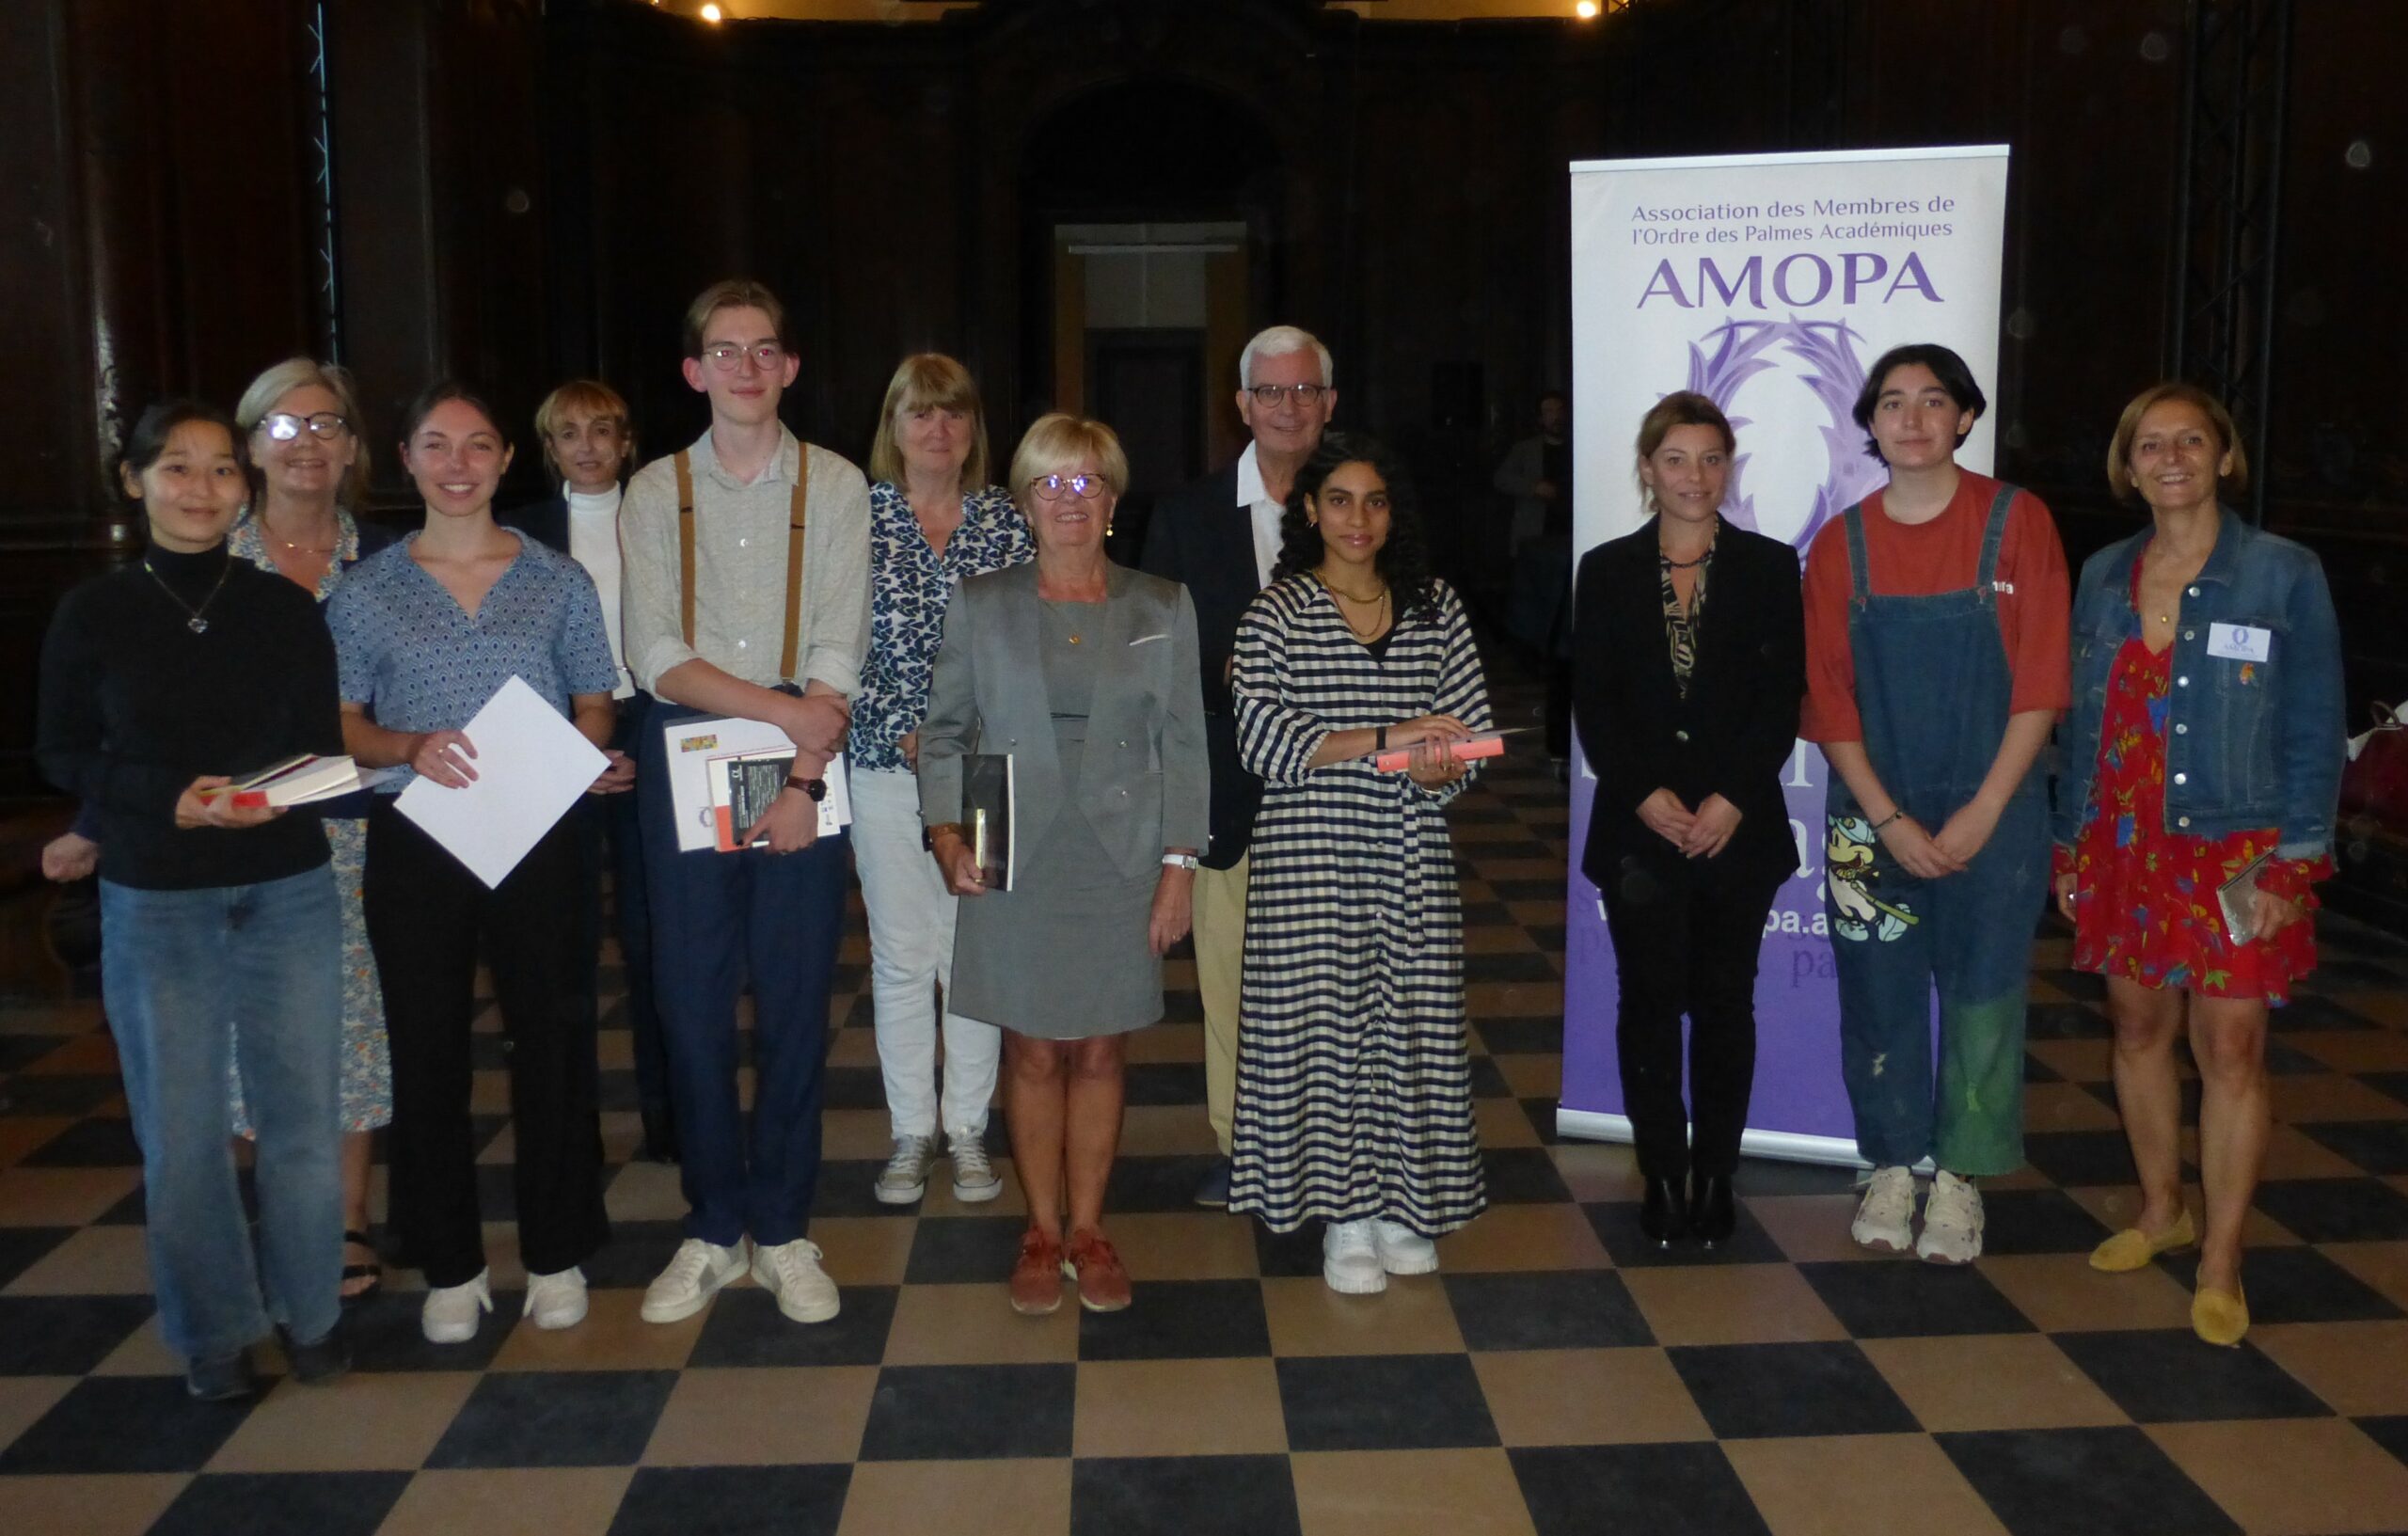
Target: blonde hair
(732, 293)
(925, 381)
(582, 397)
(1058, 443)
(2119, 447)
(293, 373)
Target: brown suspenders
(795, 518)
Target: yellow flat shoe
(2220, 1317)
(2132, 1248)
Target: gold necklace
(1333, 586)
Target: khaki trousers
(1220, 973)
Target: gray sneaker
(905, 1178)
(975, 1179)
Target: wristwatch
(816, 788)
(1179, 861)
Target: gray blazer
(1143, 780)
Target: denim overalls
(1933, 689)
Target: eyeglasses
(1054, 487)
(1302, 394)
(766, 355)
(283, 426)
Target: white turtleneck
(594, 540)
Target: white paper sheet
(692, 743)
(532, 766)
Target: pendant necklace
(193, 620)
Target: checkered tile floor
(1555, 1377)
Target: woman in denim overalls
(1936, 670)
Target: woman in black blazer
(1688, 646)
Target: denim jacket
(2248, 744)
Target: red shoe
(1037, 1279)
(1103, 1282)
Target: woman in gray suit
(1085, 674)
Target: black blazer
(1732, 735)
(545, 522)
(1202, 538)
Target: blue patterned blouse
(406, 648)
(910, 586)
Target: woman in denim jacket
(2204, 742)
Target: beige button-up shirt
(740, 569)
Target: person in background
(1693, 646)
(1537, 474)
(1936, 663)
(2205, 744)
(587, 442)
(934, 522)
(427, 632)
(1085, 674)
(219, 923)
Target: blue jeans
(188, 975)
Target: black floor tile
(1154, 1184)
(1524, 1176)
(385, 1334)
(57, 1093)
(734, 1501)
(2166, 1376)
(1616, 1223)
(1164, 1083)
(101, 1142)
(619, 1091)
(637, 1252)
(2110, 1481)
(1195, 1496)
(1746, 1390)
(957, 1250)
(1279, 1256)
(130, 1211)
(1180, 1319)
(20, 1248)
(282, 1504)
(745, 1328)
(1547, 1309)
(2083, 986)
(125, 1424)
(1383, 1402)
(1510, 965)
(2394, 1083)
(19, 1051)
(1510, 1037)
(2336, 1210)
(555, 1418)
(2026, 1221)
(1542, 1114)
(2375, 1146)
(1778, 1176)
(2077, 1158)
(1486, 914)
(2036, 1071)
(2390, 1433)
(497, 1191)
(1675, 1489)
(1487, 1082)
(65, 1336)
(2295, 1285)
(848, 1187)
(1909, 1300)
(2306, 1011)
(2288, 1061)
(855, 1088)
(962, 1413)
(2065, 1021)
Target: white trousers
(911, 956)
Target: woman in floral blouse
(934, 522)
(2202, 761)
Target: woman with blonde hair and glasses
(934, 522)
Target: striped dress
(1353, 1083)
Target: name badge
(2238, 642)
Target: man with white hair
(1220, 537)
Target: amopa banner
(1769, 283)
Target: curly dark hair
(1402, 561)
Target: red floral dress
(2145, 899)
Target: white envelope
(692, 743)
(532, 766)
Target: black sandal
(373, 1271)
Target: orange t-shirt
(1921, 560)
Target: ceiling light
(713, 15)
(1586, 10)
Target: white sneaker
(905, 1178)
(1403, 1251)
(557, 1301)
(1951, 1222)
(450, 1313)
(1350, 1258)
(791, 1272)
(975, 1179)
(1885, 1218)
(692, 1278)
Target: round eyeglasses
(1054, 487)
(283, 426)
(1302, 394)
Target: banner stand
(1781, 1146)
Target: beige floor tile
(2076, 1061)
(2302, 1477)
(89, 1054)
(1845, 1485)
(1543, 913)
(2292, 1153)
(388, 1420)
(1178, 1408)
(974, 1324)
(1516, 999)
(122, 1504)
(2066, 1106)
(1810, 1228)
(2061, 1293)
(852, 1134)
(1167, 1130)
(1475, 889)
(502, 1151)
(1502, 1122)
(61, 1196)
(1518, 869)
(1410, 1317)
(646, 1192)
(2382, 1265)
(854, 1048)
(1587, 1397)
(764, 1418)
(2388, 1008)
(1991, 1382)
(1598, 1170)
(1012, 1497)
(26, 1398)
(1497, 939)
(1523, 1237)
(622, 1136)
(1175, 1246)
(2119, 1205)
(1377, 1492)
(1539, 1076)
(522, 1501)
(2355, 1050)
(73, 1015)
(613, 1336)
(1730, 1304)
(144, 1353)
(2359, 1368)
(939, 1202)
(21, 1136)
(1168, 1042)
(2318, 1096)
(616, 1050)
(864, 1250)
(98, 1261)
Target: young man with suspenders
(745, 560)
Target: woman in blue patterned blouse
(425, 633)
(934, 521)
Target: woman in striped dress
(1354, 1102)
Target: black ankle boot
(1712, 1214)
(1665, 1215)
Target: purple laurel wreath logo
(1735, 352)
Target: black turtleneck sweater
(134, 706)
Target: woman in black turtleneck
(217, 922)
